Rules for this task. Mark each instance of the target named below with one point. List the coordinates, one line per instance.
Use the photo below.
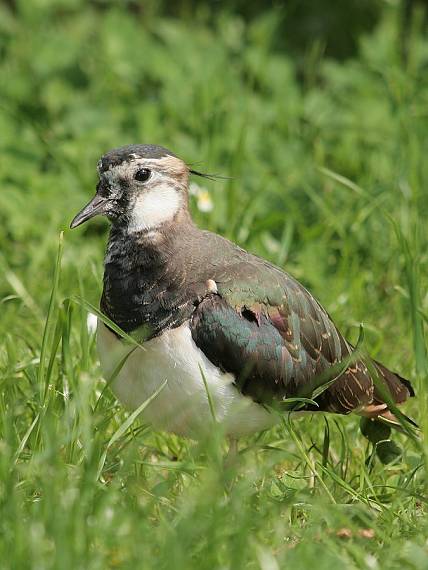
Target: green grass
(330, 180)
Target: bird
(220, 334)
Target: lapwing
(227, 333)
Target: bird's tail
(399, 388)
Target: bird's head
(140, 188)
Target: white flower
(91, 323)
(204, 202)
(203, 198)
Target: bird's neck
(145, 277)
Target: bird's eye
(142, 175)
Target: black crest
(118, 155)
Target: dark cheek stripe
(123, 202)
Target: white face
(155, 207)
(151, 202)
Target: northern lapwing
(213, 319)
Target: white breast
(182, 406)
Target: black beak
(98, 205)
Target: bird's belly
(182, 406)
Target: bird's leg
(232, 453)
(229, 464)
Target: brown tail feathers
(399, 389)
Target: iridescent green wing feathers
(277, 340)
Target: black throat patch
(146, 283)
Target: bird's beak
(98, 205)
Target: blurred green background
(319, 113)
